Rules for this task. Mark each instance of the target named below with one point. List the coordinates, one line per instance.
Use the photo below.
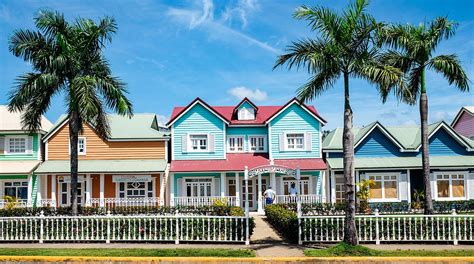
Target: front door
(253, 192)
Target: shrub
(284, 220)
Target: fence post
(176, 241)
(377, 231)
(455, 231)
(108, 227)
(247, 214)
(41, 227)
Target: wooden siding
(443, 144)
(377, 144)
(294, 119)
(246, 132)
(465, 125)
(98, 149)
(198, 120)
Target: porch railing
(123, 202)
(112, 228)
(305, 199)
(18, 203)
(204, 201)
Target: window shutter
(217, 187)
(180, 190)
(308, 141)
(2, 145)
(211, 140)
(29, 145)
(282, 141)
(184, 143)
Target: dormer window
(246, 113)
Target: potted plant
(364, 195)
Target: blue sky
(169, 52)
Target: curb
(235, 260)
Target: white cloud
(218, 29)
(240, 92)
(239, 12)
(162, 119)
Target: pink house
(463, 123)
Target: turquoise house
(20, 153)
(391, 156)
(212, 145)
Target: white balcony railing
(204, 201)
(123, 202)
(18, 203)
(305, 199)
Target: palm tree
(66, 58)
(413, 53)
(345, 47)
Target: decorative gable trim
(291, 102)
(248, 101)
(386, 133)
(190, 106)
(460, 113)
(451, 132)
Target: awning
(18, 167)
(103, 166)
(237, 162)
(404, 162)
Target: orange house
(125, 169)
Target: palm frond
(321, 19)
(51, 23)
(317, 85)
(450, 67)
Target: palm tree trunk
(350, 235)
(73, 139)
(425, 146)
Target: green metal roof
(409, 137)
(140, 126)
(404, 162)
(103, 166)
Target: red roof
(263, 113)
(237, 162)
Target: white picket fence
(124, 202)
(113, 228)
(389, 228)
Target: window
(135, 189)
(235, 144)
(246, 114)
(295, 141)
(65, 192)
(81, 146)
(232, 187)
(450, 185)
(198, 187)
(198, 142)
(340, 187)
(17, 189)
(386, 187)
(17, 145)
(257, 143)
(304, 185)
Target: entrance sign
(67, 179)
(272, 169)
(131, 178)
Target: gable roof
(248, 101)
(263, 115)
(407, 138)
(11, 121)
(465, 109)
(142, 126)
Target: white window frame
(7, 145)
(190, 143)
(383, 199)
(185, 186)
(236, 137)
(153, 191)
(83, 153)
(450, 173)
(295, 149)
(287, 180)
(339, 175)
(249, 143)
(82, 197)
(246, 113)
(21, 185)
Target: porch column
(409, 186)
(332, 178)
(101, 189)
(29, 202)
(38, 191)
(88, 190)
(260, 198)
(223, 178)
(171, 191)
(323, 187)
(53, 189)
(273, 182)
(237, 189)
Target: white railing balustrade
(204, 201)
(305, 199)
(124, 202)
(111, 228)
(18, 203)
(390, 228)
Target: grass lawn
(345, 250)
(128, 252)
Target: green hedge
(284, 220)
